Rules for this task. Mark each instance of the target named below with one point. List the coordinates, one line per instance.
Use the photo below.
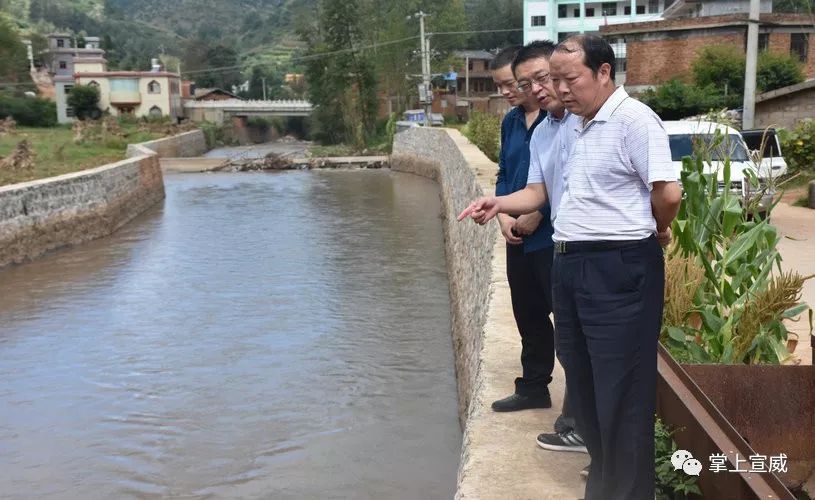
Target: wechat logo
(682, 459)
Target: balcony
(125, 97)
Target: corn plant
(739, 303)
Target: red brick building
(658, 51)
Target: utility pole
(425, 48)
(749, 113)
(263, 79)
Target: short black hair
(596, 51)
(504, 58)
(533, 50)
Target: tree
(341, 78)
(13, 55)
(796, 6)
(721, 67)
(675, 99)
(776, 71)
(490, 15)
(260, 76)
(214, 65)
(85, 101)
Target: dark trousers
(608, 313)
(530, 284)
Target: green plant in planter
(671, 484)
(738, 304)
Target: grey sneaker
(565, 441)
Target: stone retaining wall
(499, 457)
(437, 154)
(184, 145)
(47, 214)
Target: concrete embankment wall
(47, 214)
(184, 145)
(499, 457)
(438, 154)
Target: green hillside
(259, 31)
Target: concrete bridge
(224, 110)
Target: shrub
(722, 67)
(675, 99)
(670, 483)
(798, 146)
(85, 101)
(28, 111)
(218, 135)
(776, 71)
(484, 130)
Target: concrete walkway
(796, 226)
(502, 460)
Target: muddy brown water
(258, 335)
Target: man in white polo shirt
(619, 197)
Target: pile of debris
(110, 126)
(83, 131)
(271, 161)
(8, 126)
(22, 158)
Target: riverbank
(499, 456)
(55, 150)
(43, 215)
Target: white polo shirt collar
(607, 109)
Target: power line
(354, 49)
(309, 57)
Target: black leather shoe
(517, 402)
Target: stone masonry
(499, 457)
(47, 214)
(184, 145)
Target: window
(763, 41)
(589, 11)
(562, 11)
(470, 62)
(653, 6)
(799, 46)
(640, 9)
(620, 65)
(60, 43)
(609, 8)
(577, 12)
(155, 112)
(154, 88)
(563, 36)
(538, 20)
(69, 111)
(63, 65)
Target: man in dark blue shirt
(529, 245)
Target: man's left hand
(527, 224)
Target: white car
(683, 135)
(764, 144)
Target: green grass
(55, 152)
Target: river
(257, 335)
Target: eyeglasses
(541, 79)
(506, 86)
